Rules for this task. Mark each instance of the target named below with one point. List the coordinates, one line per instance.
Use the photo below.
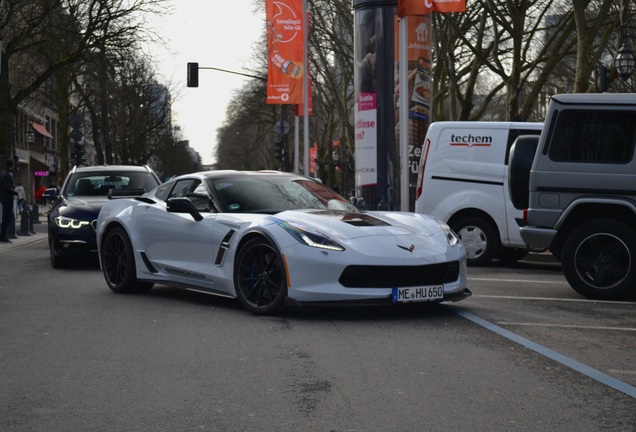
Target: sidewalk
(40, 235)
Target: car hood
(85, 205)
(354, 225)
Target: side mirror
(183, 205)
(50, 193)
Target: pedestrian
(38, 195)
(21, 195)
(7, 192)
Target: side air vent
(225, 245)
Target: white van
(463, 180)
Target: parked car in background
(275, 239)
(463, 180)
(84, 192)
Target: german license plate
(418, 294)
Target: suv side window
(594, 136)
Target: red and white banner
(425, 7)
(285, 43)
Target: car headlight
(70, 223)
(310, 237)
(451, 237)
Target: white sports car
(275, 239)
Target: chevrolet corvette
(275, 240)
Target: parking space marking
(582, 300)
(588, 371)
(515, 280)
(628, 329)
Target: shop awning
(39, 128)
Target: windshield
(273, 195)
(99, 183)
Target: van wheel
(597, 259)
(479, 238)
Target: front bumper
(452, 297)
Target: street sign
(281, 127)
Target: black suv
(84, 192)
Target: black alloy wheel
(259, 277)
(598, 260)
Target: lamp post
(625, 63)
(29, 135)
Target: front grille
(399, 276)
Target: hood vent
(355, 219)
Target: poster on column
(420, 88)
(366, 103)
(366, 139)
(285, 44)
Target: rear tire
(479, 238)
(598, 260)
(118, 263)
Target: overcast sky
(219, 34)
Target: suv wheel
(597, 259)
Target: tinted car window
(271, 195)
(594, 136)
(88, 183)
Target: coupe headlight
(451, 237)
(310, 237)
(69, 223)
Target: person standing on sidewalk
(21, 195)
(7, 192)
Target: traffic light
(279, 150)
(76, 124)
(80, 154)
(193, 74)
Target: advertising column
(376, 157)
(418, 90)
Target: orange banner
(425, 7)
(285, 42)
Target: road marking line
(590, 372)
(582, 300)
(567, 326)
(514, 280)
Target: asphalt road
(76, 357)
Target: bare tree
(35, 28)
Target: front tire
(260, 277)
(57, 262)
(479, 238)
(118, 263)
(597, 259)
